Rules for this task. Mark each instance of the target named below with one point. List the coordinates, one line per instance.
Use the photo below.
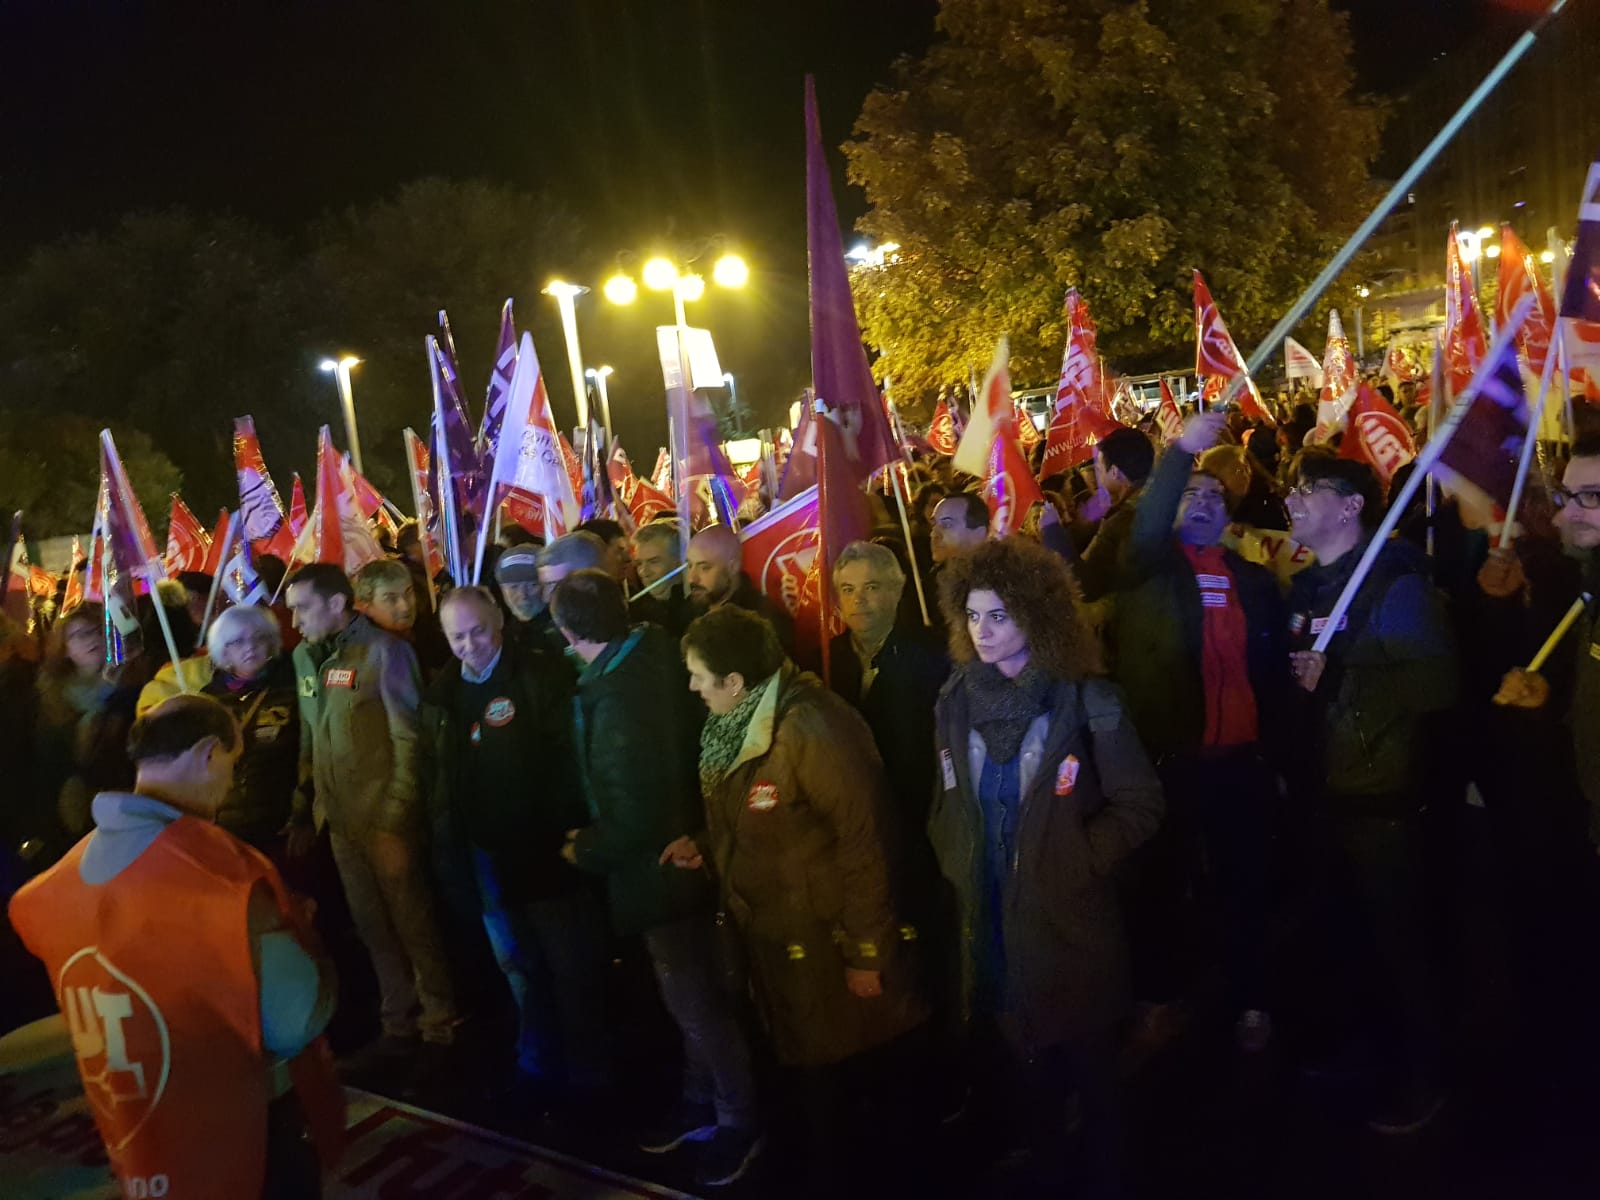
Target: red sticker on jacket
(763, 797)
(339, 677)
(499, 712)
(1067, 776)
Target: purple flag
(466, 468)
(1580, 299)
(505, 366)
(839, 369)
(1479, 465)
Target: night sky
(650, 118)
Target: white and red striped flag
(188, 544)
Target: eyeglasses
(1588, 498)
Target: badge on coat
(1067, 775)
(949, 766)
(340, 677)
(499, 712)
(763, 797)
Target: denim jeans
(695, 990)
(555, 954)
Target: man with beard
(716, 578)
(517, 573)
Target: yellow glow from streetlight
(345, 363)
(560, 288)
(1471, 246)
(599, 373)
(730, 271)
(1547, 257)
(1485, 232)
(621, 289)
(1492, 250)
(1363, 291)
(691, 287)
(659, 274)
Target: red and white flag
(297, 506)
(336, 531)
(992, 410)
(1397, 368)
(260, 507)
(188, 544)
(1011, 490)
(1028, 435)
(1300, 363)
(1081, 416)
(75, 579)
(422, 501)
(942, 433)
(217, 542)
(1465, 343)
(1340, 378)
(780, 555)
(1376, 435)
(1168, 416)
(1216, 355)
(1519, 277)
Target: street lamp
(565, 293)
(730, 272)
(600, 376)
(661, 274)
(733, 403)
(341, 377)
(621, 289)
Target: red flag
(942, 433)
(993, 411)
(661, 477)
(188, 544)
(1519, 277)
(780, 557)
(1216, 355)
(1028, 435)
(1011, 489)
(569, 458)
(422, 500)
(337, 531)
(297, 505)
(1377, 436)
(1079, 419)
(260, 508)
(1398, 368)
(217, 543)
(1479, 465)
(368, 498)
(75, 580)
(1464, 342)
(1167, 415)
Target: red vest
(153, 973)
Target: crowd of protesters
(968, 883)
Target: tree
(1108, 146)
(50, 469)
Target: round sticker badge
(499, 712)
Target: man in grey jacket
(358, 716)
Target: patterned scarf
(722, 737)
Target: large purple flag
(1580, 299)
(466, 467)
(494, 404)
(132, 561)
(1479, 466)
(839, 368)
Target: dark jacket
(521, 821)
(912, 666)
(747, 596)
(1156, 627)
(1584, 712)
(1390, 667)
(668, 608)
(1066, 954)
(801, 838)
(358, 731)
(1099, 567)
(264, 778)
(637, 735)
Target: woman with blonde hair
(1044, 789)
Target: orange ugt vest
(153, 973)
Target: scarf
(722, 737)
(1002, 709)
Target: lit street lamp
(341, 376)
(600, 376)
(565, 294)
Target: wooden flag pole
(1559, 632)
(1425, 461)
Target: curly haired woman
(1045, 790)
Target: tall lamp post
(565, 294)
(341, 376)
(600, 375)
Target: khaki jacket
(358, 732)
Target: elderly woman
(799, 836)
(256, 681)
(1044, 789)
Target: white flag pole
(1535, 416)
(1425, 461)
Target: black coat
(912, 667)
(637, 741)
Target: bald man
(716, 577)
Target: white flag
(1300, 363)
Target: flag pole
(1535, 416)
(1559, 632)
(898, 472)
(411, 439)
(1402, 186)
(1566, 378)
(155, 574)
(216, 580)
(1425, 462)
(825, 572)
